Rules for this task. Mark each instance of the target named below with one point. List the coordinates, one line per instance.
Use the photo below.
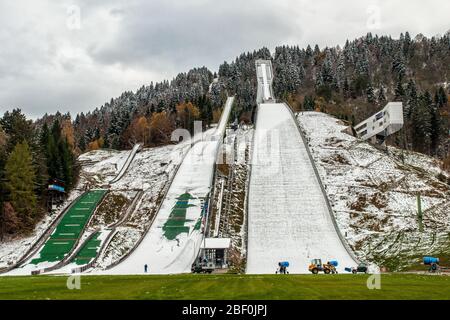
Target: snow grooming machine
(316, 266)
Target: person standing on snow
(145, 268)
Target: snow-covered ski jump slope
(173, 241)
(288, 216)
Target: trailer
(361, 268)
(213, 255)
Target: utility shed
(214, 252)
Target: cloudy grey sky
(73, 55)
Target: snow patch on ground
(374, 194)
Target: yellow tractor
(316, 266)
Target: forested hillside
(350, 82)
(156, 108)
(31, 156)
(354, 81)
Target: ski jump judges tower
(264, 75)
(382, 124)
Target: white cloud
(120, 45)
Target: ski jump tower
(264, 75)
(382, 124)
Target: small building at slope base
(213, 255)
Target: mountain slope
(374, 195)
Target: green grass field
(393, 286)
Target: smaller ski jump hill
(173, 241)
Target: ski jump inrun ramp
(289, 218)
(173, 241)
(127, 163)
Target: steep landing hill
(374, 196)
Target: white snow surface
(164, 256)
(127, 163)
(288, 219)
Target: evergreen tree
(399, 67)
(435, 122)
(52, 156)
(381, 96)
(309, 103)
(421, 124)
(67, 162)
(58, 153)
(20, 181)
(370, 94)
(309, 52)
(40, 162)
(340, 72)
(45, 135)
(407, 45)
(82, 143)
(399, 91)
(56, 130)
(346, 89)
(435, 129)
(411, 102)
(441, 98)
(17, 127)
